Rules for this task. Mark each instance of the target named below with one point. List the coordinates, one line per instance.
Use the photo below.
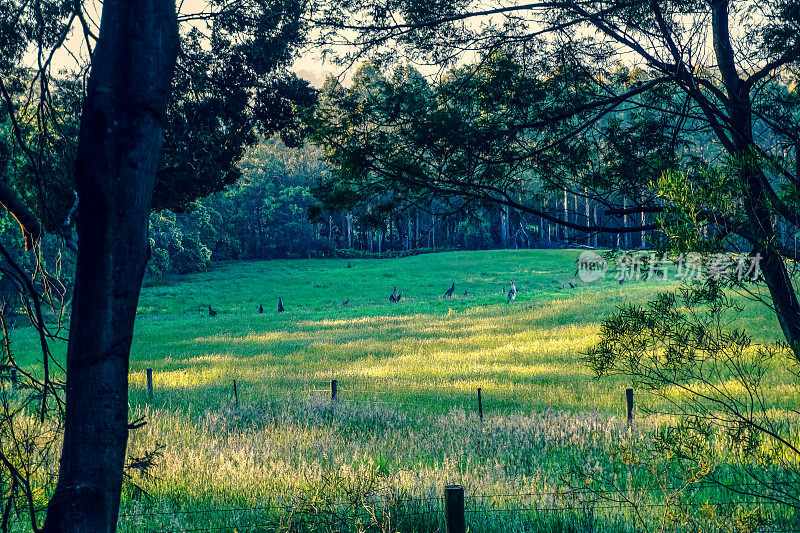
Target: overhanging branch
(32, 229)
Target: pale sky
(74, 52)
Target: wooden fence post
(454, 509)
(334, 389)
(149, 381)
(629, 401)
(235, 393)
(480, 405)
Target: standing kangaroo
(512, 292)
(449, 292)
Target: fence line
(473, 498)
(478, 501)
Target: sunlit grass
(408, 376)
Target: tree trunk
(118, 155)
(773, 267)
(586, 214)
(416, 229)
(504, 227)
(627, 237)
(575, 214)
(644, 236)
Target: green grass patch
(408, 374)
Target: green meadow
(406, 423)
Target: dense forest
(290, 202)
(272, 211)
(282, 200)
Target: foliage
(688, 349)
(233, 61)
(609, 101)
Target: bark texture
(756, 200)
(118, 154)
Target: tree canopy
(622, 103)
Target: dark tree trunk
(416, 229)
(118, 155)
(504, 227)
(773, 267)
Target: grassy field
(406, 424)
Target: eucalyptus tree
(623, 102)
(140, 130)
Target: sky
(74, 52)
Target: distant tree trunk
(118, 155)
(349, 230)
(575, 213)
(504, 227)
(627, 236)
(586, 214)
(429, 237)
(644, 236)
(416, 229)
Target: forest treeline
(357, 185)
(272, 211)
(288, 200)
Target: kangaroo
(512, 292)
(449, 292)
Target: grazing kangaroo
(395, 296)
(449, 292)
(280, 305)
(211, 312)
(465, 294)
(346, 302)
(512, 292)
